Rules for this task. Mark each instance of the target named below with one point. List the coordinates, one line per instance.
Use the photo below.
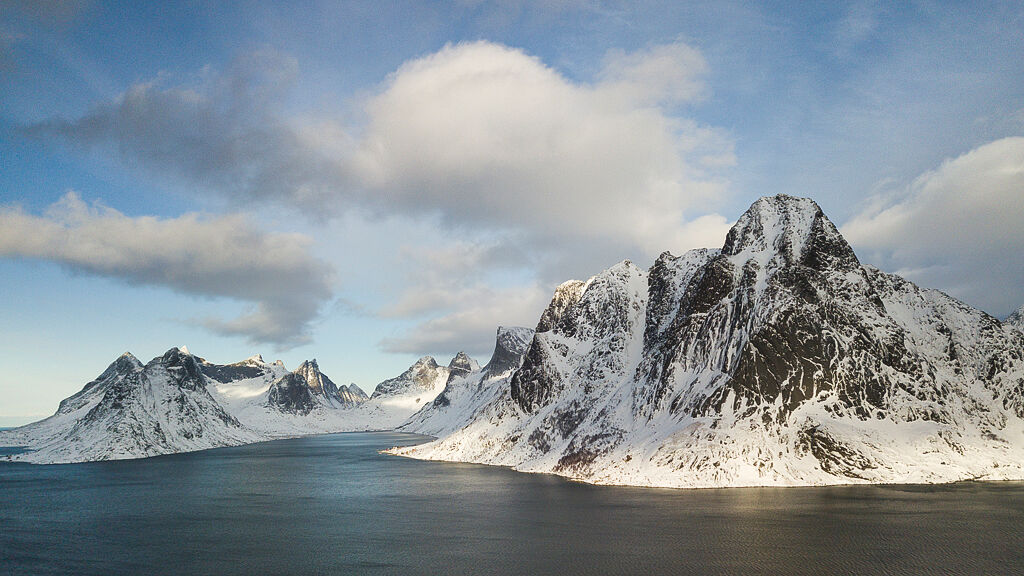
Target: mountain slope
(179, 402)
(464, 394)
(777, 360)
(134, 411)
(1016, 319)
(422, 377)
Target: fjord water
(333, 505)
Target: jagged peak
(513, 331)
(462, 361)
(770, 222)
(255, 359)
(174, 353)
(126, 362)
(184, 350)
(789, 228)
(425, 361)
(1016, 318)
(510, 344)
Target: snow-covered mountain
(396, 399)
(422, 377)
(280, 403)
(466, 391)
(307, 388)
(1016, 319)
(778, 360)
(179, 402)
(134, 411)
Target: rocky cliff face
(510, 345)
(779, 359)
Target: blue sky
(365, 183)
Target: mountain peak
(566, 294)
(426, 361)
(424, 374)
(773, 223)
(462, 362)
(788, 230)
(1016, 319)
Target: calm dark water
(332, 505)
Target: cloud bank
(958, 227)
(219, 257)
(481, 134)
(482, 138)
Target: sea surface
(333, 505)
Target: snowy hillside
(1016, 319)
(466, 392)
(777, 360)
(134, 411)
(179, 403)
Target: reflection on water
(333, 505)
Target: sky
(368, 182)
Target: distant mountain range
(779, 359)
(179, 402)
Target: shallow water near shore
(333, 505)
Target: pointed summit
(787, 230)
(567, 294)
(318, 382)
(306, 388)
(1016, 319)
(424, 375)
(462, 361)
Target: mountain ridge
(777, 360)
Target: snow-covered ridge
(777, 360)
(131, 411)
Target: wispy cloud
(957, 227)
(222, 256)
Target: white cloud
(470, 326)
(669, 73)
(222, 256)
(489, 136)
(957, 228)
(563, 177)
